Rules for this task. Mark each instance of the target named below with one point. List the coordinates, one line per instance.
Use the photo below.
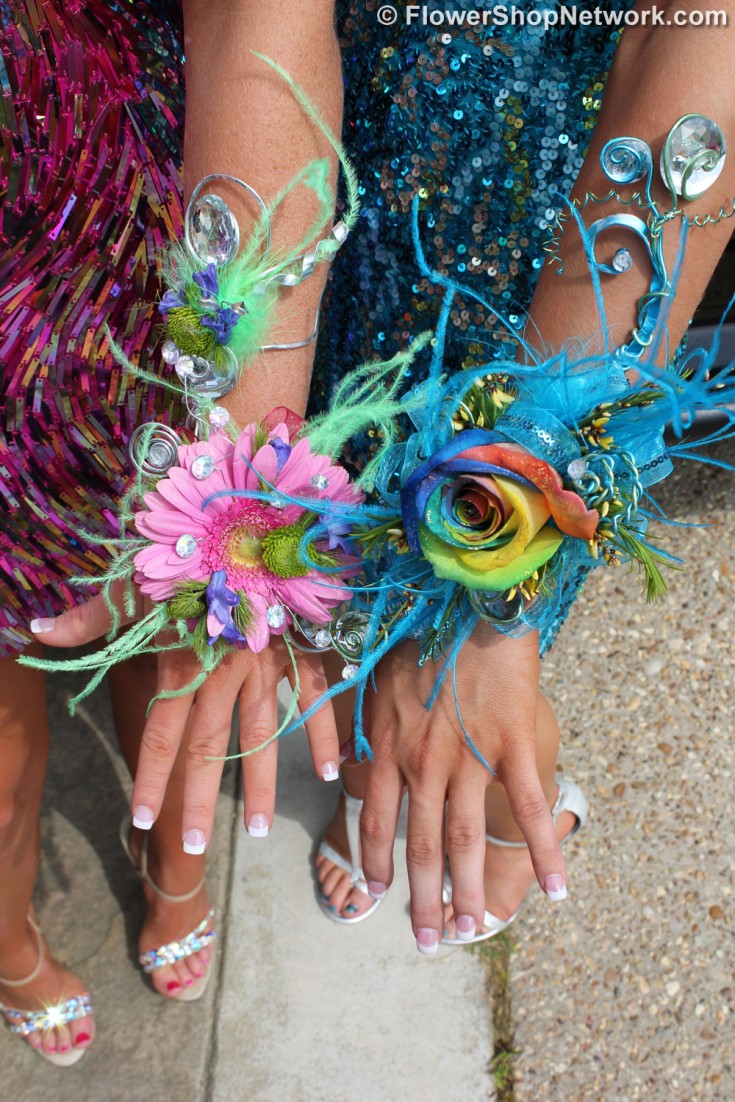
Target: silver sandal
(199, 938)
(26, 1022)
(569, 798)
(353, 810)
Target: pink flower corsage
(229, 531)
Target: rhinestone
(577, 468)
(276, 616)
(202, 467)
(277, 503)
(349, 671)
(322, 639)
(214, 232)
(219, 417)
(159, 455)
(689, 139)
(186, 546)
(170, 352)
(185, 367)
(320, 481)
(622, 261)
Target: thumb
(80, 624)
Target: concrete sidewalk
(625, 992)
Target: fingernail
(427, 941)
(45, 623)
(143, 817)
(376, 890)
(172, 985)
(466, 927)
(194, 842)
(258, 826)
(83, 1039)
(555, 887)
(345, 751)
(330, 772)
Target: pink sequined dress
(91, 127)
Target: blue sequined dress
(489, 126)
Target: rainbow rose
(487, 514)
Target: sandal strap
(569, 797)
(198, 939)
(39, 964)
(142, 867)
(26, 1022)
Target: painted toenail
(83, 1039)
(64, 1048)
(555, 887)
(351, 909)
(427, 940)
(258, 826)
(376, 889)
(172, 985)
(194, 842)
(466, 926)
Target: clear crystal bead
(219, 417)
(690, 138)
(577, 468)
(320, 481)
(322, 639)
(214, 232)
(277, 503)
(159, 456)
(276, 616)
(202, 467)
(186, 546)
(185, 367)
(170, 352)
(622, 261)
(349, 671)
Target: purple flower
(282, 452)
(207, 280)
(171, 301)
(220, 602)
(222, 323)
(337, 529)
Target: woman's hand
(205, 716)
(497, 688)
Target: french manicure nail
(376, 890)
(345, 752)
(143, 817)
(555, 887)
(45, 623)
(258, 826)
(330, 772)
(466, 927)
(427, 941)
(194, 842)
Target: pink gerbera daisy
(245, 548)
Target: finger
(379, 823)
(466, 851)
(162, 736)
(531, 812)
(80, 624)
(425, 862)
(258, 722)
(321, 728)
(207, 739)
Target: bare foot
(52, 986)
(166, 922)
(334, 882)
(508, 876)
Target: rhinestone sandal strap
(198, 939)
(39, 964)
(26, 1022)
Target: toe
(356, 904)
(166, 982)
(48, 1040)
(63, 1039)
(196, 966)
(82, 1032)
(183, 975)
(331, 881)
(35, 1040)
